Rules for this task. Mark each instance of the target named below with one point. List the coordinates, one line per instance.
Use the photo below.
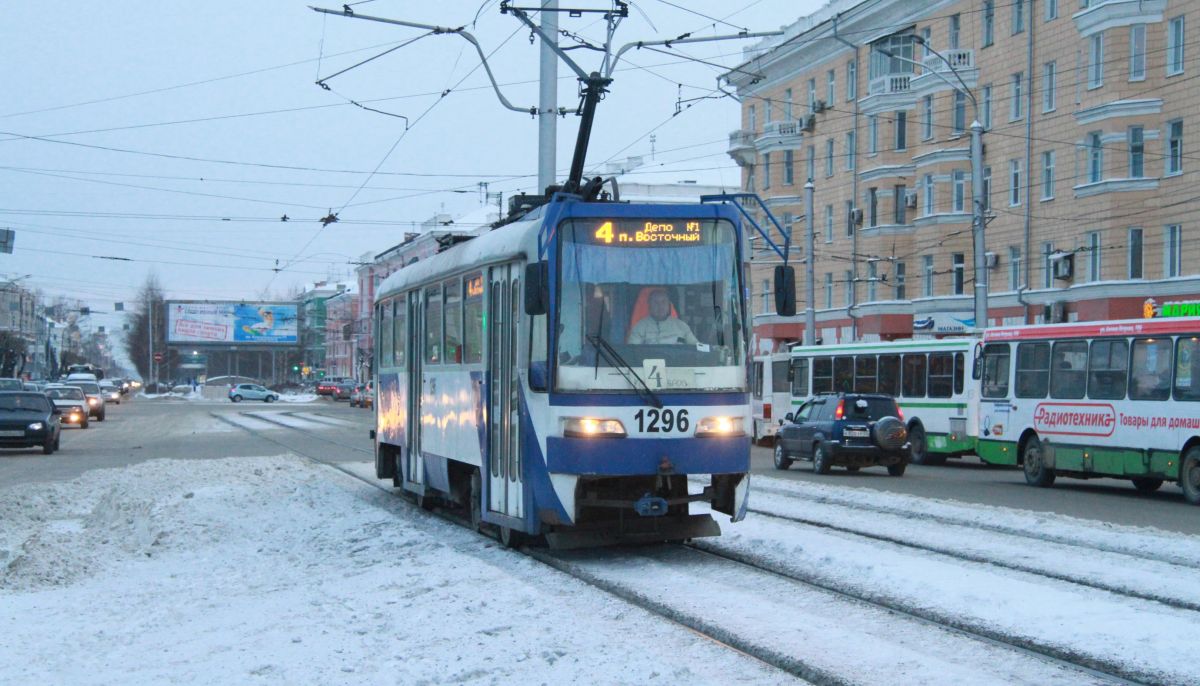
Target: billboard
(232, 323)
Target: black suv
(853, 430)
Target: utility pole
(977, 223)
(548, 98)
(810, 314)
(150, 339)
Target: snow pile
(298, 397)
(273, 570)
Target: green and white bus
(1117, 399)
(930, 379)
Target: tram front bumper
(645, 456)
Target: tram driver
(661, 326)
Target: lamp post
(977, 222)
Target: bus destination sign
(649, 232)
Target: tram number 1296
(662, 421)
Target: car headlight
(721, 426)
(587, 427)
(93, 401)
(36, 426)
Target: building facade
(314, 322)
(342, 337)
(1085, 107)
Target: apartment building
(1086, 171)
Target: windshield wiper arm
(603, 347)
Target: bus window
(1187, 369)
(757, 381)
(889, 374)
(843, 374)
(800, 378)
(1033, 370)
(960, 363)
(914, 375)
(1068, 369)
(473, 319)
(822, 375)
(1150, 369)
(385, 338)
(1108, 370)
(433, 325)
(453, 317)
(995, 370)
(399, 335)
(779, 376)
(865, 376)
(941, 375)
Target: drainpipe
(1029, 26)
(853, 186)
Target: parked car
(7, 384)
(112, 393)
(343, 390)
(852, 430)
(28, 420)
(95, 398)
(71, 401)
(363, 395)
(252, 391)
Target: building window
(1135, 253)
(828, 290)
(955, 30)
(987, 188)
(871, 280)
(927, 40)
(872, 134)
(848, 276)
(850, 151)
(900, 293)
(830, 87)
(1047, 265)
(1015, 108)
(1095, 158)
(1093, 262)
(1137, 152)
(1051, 10)
(1096, 61)
(900, 126)
(766, 173)
(766, 296)
(960, 111)
(789, 167)
(811, 162)
(787, 105)
(899, 195)
(872, 207)
(927, 266)
(1175, 147)
(960, 267)
(1018, 23)
(927, 191)
(1137, 52)
(989, 22)
(1173, 250)
(1175, 46)
(1014, 268)
(851, 80)
(829, 157)
(1048, 175)
(960, 190)
(753, 119)
(1049, 86)
(829, 223)
(927, 117)
(987, 107)
(1014, 182)
(849, 218)
(812, 95)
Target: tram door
(504, 435)
(414, 470)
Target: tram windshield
(651, 302)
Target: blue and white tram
(564, 374)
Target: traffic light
(295, 368)
(321, 374)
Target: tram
(571, 373)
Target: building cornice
(887, 171)
(1086, 190)
(1119, 108)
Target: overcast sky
(177, 134)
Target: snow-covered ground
(270, 570)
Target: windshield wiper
(603, 347)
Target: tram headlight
(721, 426)
(589, 427)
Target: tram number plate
(662, 421)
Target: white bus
(770, 395)
(1118, 399)
(930, 379)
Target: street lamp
(977, 222)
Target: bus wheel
(1189, 476)
(1147, 485)
(920, 447)
(782, 461)
(476, 500)
(1036, 472)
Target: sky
(172, 138)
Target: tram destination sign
(642, 233)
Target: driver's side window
(803, 413)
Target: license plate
(857, 433)
(11, 434)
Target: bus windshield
(655, 299)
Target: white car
(252, 391)
(111, 392)
(71, 401)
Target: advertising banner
(229, 322)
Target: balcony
(1101, 15)
(741, 147)
(936, 72)
(888, 92)
(779, 135)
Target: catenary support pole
(548, 99)
(810, 314)
(977, 226)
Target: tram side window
(865, 374)
(433, 325)
(960, 364)
(399, 336)
(914, 375)
(453, 317)
(473, 316)
(1187, 369)
(889, 374)
(757, 382)
(843, 374)
(1150, 369)
(779, 376)
(822, 375)
(385, 330)
(1033, 370)
(1108, 367)
(996, 358)
(941, 375)
(800, 378)
(1068, 370)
